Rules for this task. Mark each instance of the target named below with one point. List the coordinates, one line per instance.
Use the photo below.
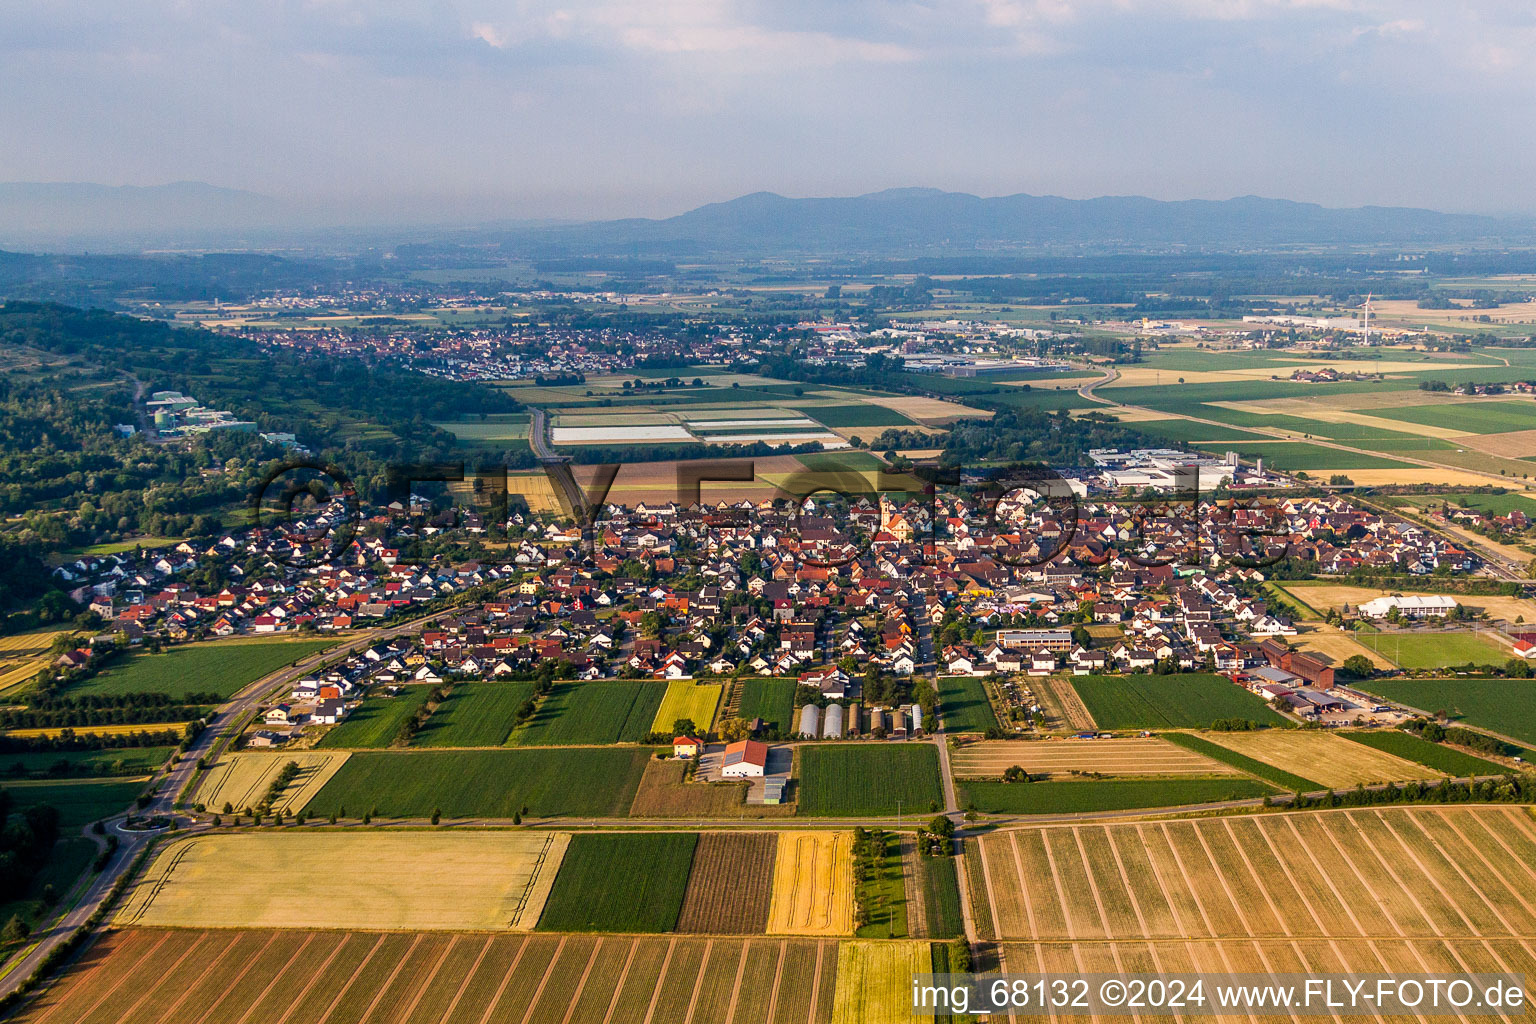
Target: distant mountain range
(896, 222)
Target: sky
(650, 107)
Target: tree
(684, 727)
(733, 729)
(1359, 666)
(1014, 773)
(437, 815)
(15, 930)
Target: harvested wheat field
(874, 982)
(1514, 444)
(812, 884)
(1324, 758)
(242, 780)
(730, 885)
(153, 976)
(927, 411)
(1130, 756)
(1407, 475)
(1454, 874)
(408, 880)
(99, 730)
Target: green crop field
(474, 715)
(1179, 701)
(860, 414)
(616, 711)
(1436, 755)
(844, 461)
(1493, 504)
(869, 778)
(1434, 650)
(215, 667)
(631, 882)
(1243, 762)
(485, 783)
(1477, 417)
(1111, 795)
(63, 763)
(1506, 706)
(377, 721)
(1294, 455)
(1186, 431)
(963, 703)
(79, 803)
(772, 700)
(941, 897)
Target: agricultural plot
(1506, 706)
(113, 761)
(617, 711)
(1122, 756)
(243, 780)
(664, 793)
(874, 981)
(80, 802)
(940, 887)
(964, 705)
(868, 779)
(1330, 760)
(731, 884)
(218, 667)
(625, 882)
(484, 783)
(1449, 874)
(686, 699)
(1192, 700)
(154, 976)
(1071, 797)
(858, 415)
(812, 884)
(1435, 756)
(1472, 417)
(295, 879)
(1299, 455)
(474, 715)
(1244, 763)
(377, 721)
(772, 700)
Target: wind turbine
(1367, 309)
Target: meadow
(1505, 706)
(868, 779)
(441, 978)
(500, 880)
(772, 700)
(625, 882)
(687, 699)
(115, 761)
(377, 720)
(1436, 756)
(215, 667)
(485, 783)
(79, 802)
(1067, 797)
(964, 705)
(474, 715)
(1178, 701)
(605, 711)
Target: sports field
(874, 981)
(243, 779)
(377, 721)
(155, 976)
(1323, 757)
(620, 882)
(1506, 706)
(1190, 700)
(812, 884)
(301, 879)
(1447, 880)
(1435, 650)
(964, 705)
(1122, 756)
(868, 778)
(474, 715)
(607, 711)
(484, 783)
(219, 666)
(690, 700)
(1325, 596)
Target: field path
(778, 975)
(1189, 883)
(1018, 870)
(698, 982)
(533, 1000)
(821, 951)
(741, 970)
(650, 1010)
(453, 1003)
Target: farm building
(1316, 672)
(832, 724)
(745, 759)
(686, 746)
(810, 721)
